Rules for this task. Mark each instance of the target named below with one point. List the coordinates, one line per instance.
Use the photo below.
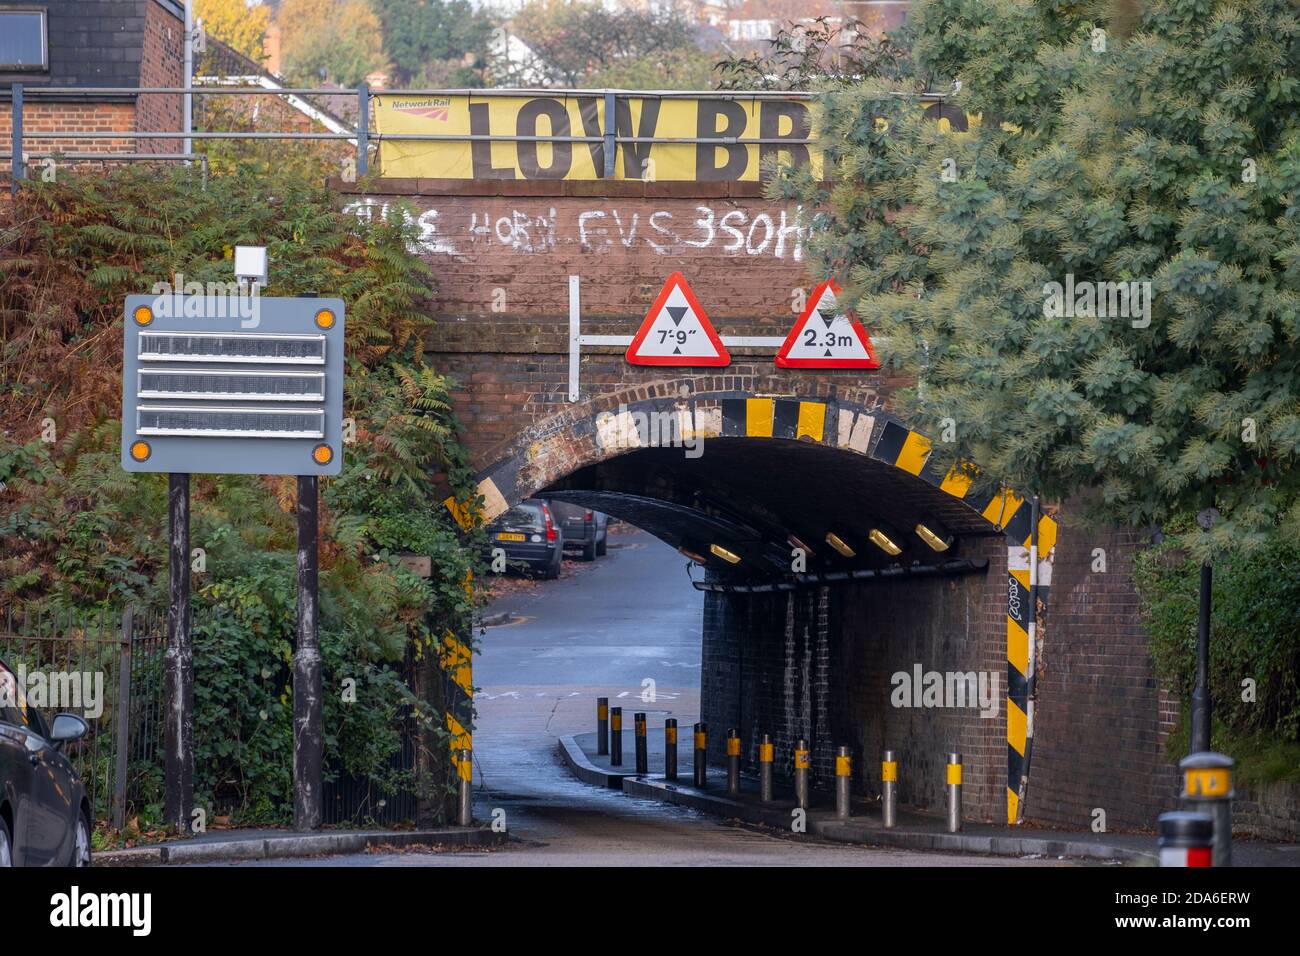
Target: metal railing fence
(360, 133)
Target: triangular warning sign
(825, 338)
(676, 331)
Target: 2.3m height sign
(232, 385)
(826, 337)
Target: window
(23, 46)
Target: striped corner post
(456, 661)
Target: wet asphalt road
(604, 631)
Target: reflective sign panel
(207, 388)
(246, 347)
(253, 386)
(232, 422)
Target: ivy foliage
(76, 531)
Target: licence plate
(509, 536)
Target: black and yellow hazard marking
(701, 740)
(456, 662)
(843, 766)
(773, 418)
(889, 771)
(670, 734)
(802, 761)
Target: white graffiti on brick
(779, 233)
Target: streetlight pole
(1201, 692)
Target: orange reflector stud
(143, 315)
(322, 454)
(140, 450)
(325, 319)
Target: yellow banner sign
(650, 130)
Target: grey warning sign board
(232, 385)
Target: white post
(186, 119)
(575, 334)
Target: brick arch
(853, 421)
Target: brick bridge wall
(503, 252)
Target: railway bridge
(851, 586)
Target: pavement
(268, 844)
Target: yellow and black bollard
(889, 790)
(843, 782)
(670, 749)
(802, 765)
(642, 754)
(616, 736)
(1207, 789)
(765, 754)
(602, 726)
(465, 770)
(954, 793)
(733, 763)
(701, 753)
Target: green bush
(78, 532)
(1255, 636)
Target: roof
(92, 42)
(224, 64)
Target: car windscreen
(523, 517)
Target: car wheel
(589, 551)
(81, 845)
(6, 846)
(553, 569)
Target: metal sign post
(236, 385)
(308, 704)
(178, 799)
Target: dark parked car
(44, 813)
(529, 534)
(582, 527)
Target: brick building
(92, 43)
(132, 44)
